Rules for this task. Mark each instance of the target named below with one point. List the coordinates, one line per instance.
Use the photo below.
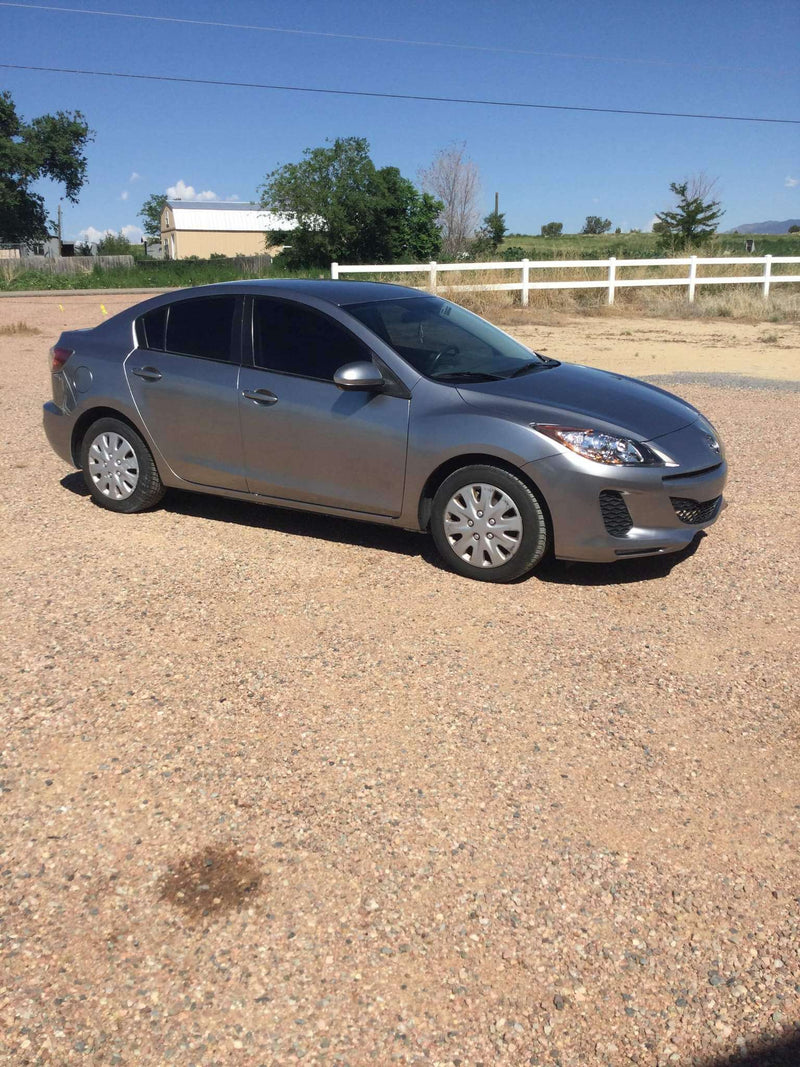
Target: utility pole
(497, 203)
(59, 228)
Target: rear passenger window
(201, 327)
(295, 339)
(150, 329)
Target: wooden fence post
(526, 278)
(334, 270)
(692, 278)
(767, 274)
(432, 276)
(612, 274)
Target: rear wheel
(118, 467)
(488, 524)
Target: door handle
(261, 396)
(150, 374)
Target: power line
(398, 96)
(392, 40)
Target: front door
(304, 438)
(184, 379)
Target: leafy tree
(494, 226)
(794, 229)
(489, 237)
(595, 225)
(83, 248)
(150, 214)
(694, 218)
(114, 244)
(406, 226)
(514, 253)
(552, 229)
(51, 146)
(348, 209)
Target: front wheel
(118, 467)
(488, 524)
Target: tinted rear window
(201, 327)
(150, 329)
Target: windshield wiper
(467, 376)
(538, 364)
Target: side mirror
(361, 375)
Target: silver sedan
(385, 404)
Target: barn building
(202, 228)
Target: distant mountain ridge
(766, 227)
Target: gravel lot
(277, 787)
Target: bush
(595, 225)
(114, 244)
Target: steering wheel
(449, 350)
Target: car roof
(328, 290)
(333, 291)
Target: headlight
(601, 447)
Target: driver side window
(294, 339)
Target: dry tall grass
(18, 329)
(742, 301)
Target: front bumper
(656, 501)
(58, 429)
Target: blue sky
(715, 56)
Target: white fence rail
(611, 282)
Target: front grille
(615, 513)
(694, 512)
(691, 474)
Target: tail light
(59, 357)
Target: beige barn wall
(203, 243)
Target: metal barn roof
(212, 215)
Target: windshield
(444, 341)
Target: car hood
(570, 395)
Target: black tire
(114, 435)
(523, 551)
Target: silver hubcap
(483, 525)
(113, 465)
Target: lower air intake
(616, 517)
(695, 512)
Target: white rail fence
(611, 282)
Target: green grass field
(643, 245)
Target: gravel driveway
(277, 787)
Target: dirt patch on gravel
(554, 822)
(211, 881)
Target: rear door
(184, 380)
(304, 438)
